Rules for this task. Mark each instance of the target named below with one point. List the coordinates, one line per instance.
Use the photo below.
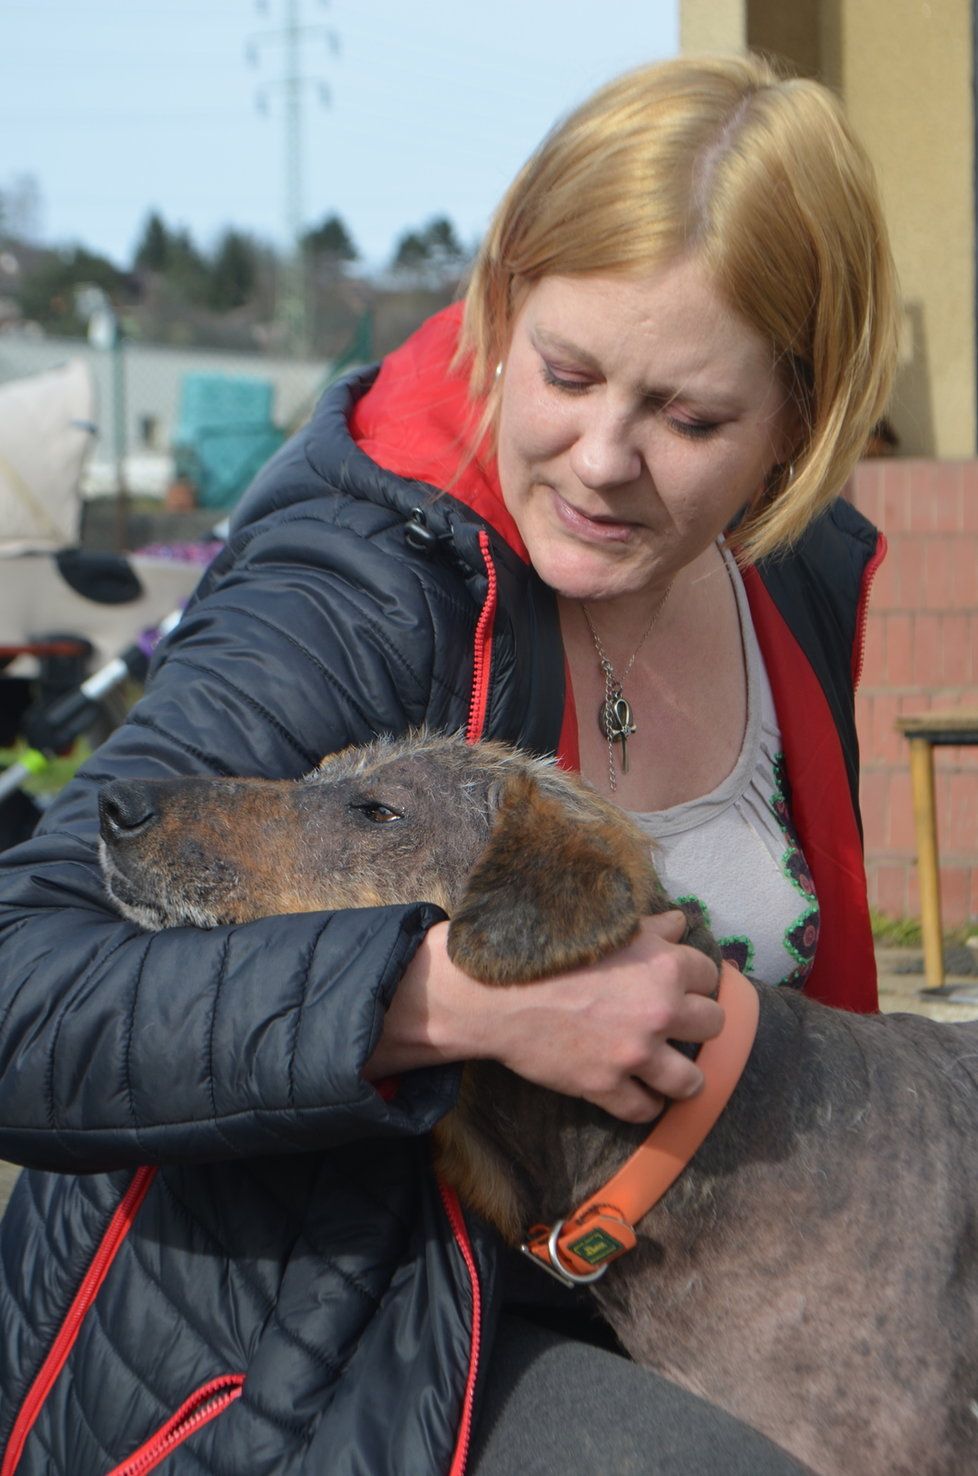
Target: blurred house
(905, 71)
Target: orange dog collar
(580, 1248)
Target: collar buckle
(542, 1250)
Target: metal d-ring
(557, 1268)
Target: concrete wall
(903, 69)
(712, 25)
(906, 83)
(152, 376)
(921, 655)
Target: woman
(681, 325)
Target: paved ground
(898, 991)
(903, 991)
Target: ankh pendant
(615, 722)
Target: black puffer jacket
(290, 1268)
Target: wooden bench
(926, 732)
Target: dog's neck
(565, 1148)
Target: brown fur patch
(548, 893)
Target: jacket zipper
(453, 1210)
(99, 1267)
(204, 1405)
(482, 656)
(481, 665)
(862, 615)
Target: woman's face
(637, 417)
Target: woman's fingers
(698, 1020)
(601, 1031)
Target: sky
(117, 107)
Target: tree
(233, 272)
(187, 269)
(411, 252)
(153, 250)
(433, 254)
(49, 294)
(443, 243)
(332, 240)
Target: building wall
(903, 69)
(150, 394)
(906, 83)
(712, 25)
(921, 655)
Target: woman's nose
(605, 453)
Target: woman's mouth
(596, 529)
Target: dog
(814, 1270)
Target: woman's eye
(696, 430)
(564, 380)
(379, 814)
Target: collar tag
(580, 1251)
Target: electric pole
(294, 83)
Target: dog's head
(537, 872)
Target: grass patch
(904, 932)
(895, 932)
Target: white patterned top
(734, 852)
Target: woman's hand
(600, 1032)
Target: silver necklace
(615, 717)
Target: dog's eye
(380, 814)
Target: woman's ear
(550, 892)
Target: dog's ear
(550, 892)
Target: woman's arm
(600, 1032)
(119, 1046)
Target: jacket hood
(418, 420)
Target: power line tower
(290, 38)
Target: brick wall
(921, 655)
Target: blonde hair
(762, 179)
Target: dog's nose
(125, 809)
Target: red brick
(892, 888)
(955, 895)
(874, 653)
(959, 819)
(948, 484)
(914, 704)
(874, 792)
(909, 558)
(899, 649)
(885, 594)
(957, 653)
(969, 497)
(927, 638)
(864, 722)
(886, 745)
(964, 572)
(901, 835)
(864, 489)
(894, 505)
(920, 496)
(936, 554)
